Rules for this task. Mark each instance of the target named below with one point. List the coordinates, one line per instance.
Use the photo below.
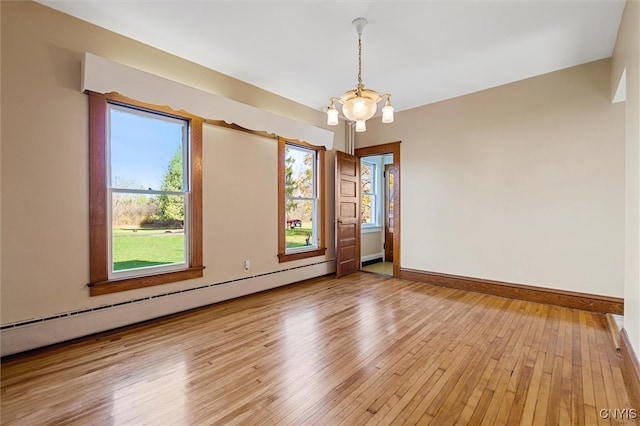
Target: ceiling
(419, 51)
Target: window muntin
(148, 191)
(111, 184)
(369, 194)
(300, 206)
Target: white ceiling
(419, 51)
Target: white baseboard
(38, 333)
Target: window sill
(288, 257)
(131, 283)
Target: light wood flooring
(363, 349)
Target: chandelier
(360, 104)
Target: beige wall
(45, 236)
(522, 183)
(626, 57)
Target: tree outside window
(146, 197)
(301, 210)
(368, 193)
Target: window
(145, 194)
(300, 200)
(369, 193)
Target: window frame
(375, 195)
(184, 193)
(319, 249)
(99, 234)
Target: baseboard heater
(372, 261)
(35, 333)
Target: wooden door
(389, 188)
(347, 214)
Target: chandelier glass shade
(360, 104)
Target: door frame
(389, 170)
(389, 148)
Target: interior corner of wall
(619, 88)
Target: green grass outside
(135, 232)
(152, 247)
(144, 250)
(296, 237)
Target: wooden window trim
(98, 227)
(283, 256)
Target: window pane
(367, 209)
(299, 223)
(299, 168)
(366, 177)
(142, 234)
(146, 150)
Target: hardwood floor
(360, 349)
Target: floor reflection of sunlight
(368, 328)
(302, 349)
(161, 391)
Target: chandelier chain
(359, 104)
(359, 60)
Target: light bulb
(359, 109)
(332, 115)
(387, 113)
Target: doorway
(377, 183)
(380, 236)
